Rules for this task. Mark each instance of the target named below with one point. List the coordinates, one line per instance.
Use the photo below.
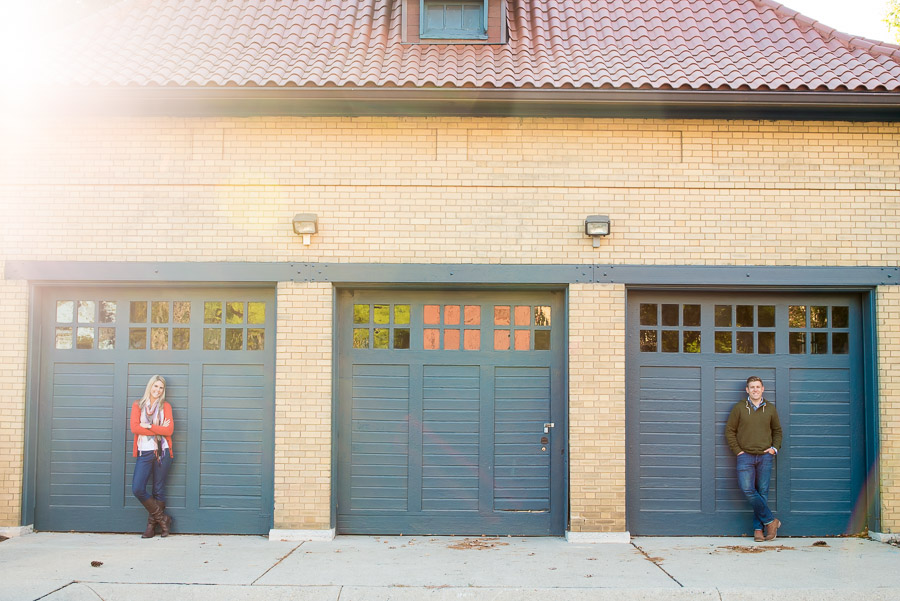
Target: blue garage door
(450, 413)
(689, 356)
(99, 347)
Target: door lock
(547, 427)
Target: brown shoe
(164, 521)
(152, 508)
(772, 529)
(758, 536)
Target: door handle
(547, 426)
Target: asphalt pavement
(117, 567)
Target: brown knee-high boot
(164, 521)
(154, 511)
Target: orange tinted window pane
(432, 314)
(523, 316)
(473, 315)
(501, 316)
(523, 340)
(472, 340)
(451, 340)
(451, 315)
(501, 340)
(431, 339)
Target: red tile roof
(752, 45)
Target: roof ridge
(848, 39)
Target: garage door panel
(163, 331)
(815, 388)
(474, 411)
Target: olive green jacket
(753, 431)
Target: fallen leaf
(96, 564)
(820, 543)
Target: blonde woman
(152, 426)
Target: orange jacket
(137, 430)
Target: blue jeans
(146, 467)
(753, 473)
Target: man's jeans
(753, 472)
(146, 467)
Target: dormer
(454, 21)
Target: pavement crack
(340, 592)
(655, 561)
(55, 590)
(90, 588)
(275, 565)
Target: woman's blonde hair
(145, 400)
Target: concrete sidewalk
(57, 566)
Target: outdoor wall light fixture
(305, 224)
(596, 226)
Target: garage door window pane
(451, 315)
(648, 341)
(107, 340)
(723, 342)
(451, 340)
(501, 340)
(797, 342)
(382, 314)
(472, 315)
(137, 338)
(501, 316)
(542, 316)
(256, 312)
(138, 312)
(797, 316)
(669, 315)
(840, 343)
(818, 343)
(380, 338)
(840, 317)
(212, 312)
(360, 337)
(818, 317)
(64, 338)
(522, 340)
(744, 316)
(86, 311)
(691, 342)
(360, 313)
(234, 339)
(766, 343)
(85, 338)
(401, 315)
(744, 342)
(234, 313)
(691, 315)
(256, 339)
(401, 338)
(431, 339)
(159, 339)
(723, 316)
(670, 341)
(181, 339)
(472, 340)
(648, 314)
(432, 314)
(181, 311)
(65, 311)
(212, 339)
(542, 340)
(159, 312)
(766, 316)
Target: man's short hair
(754, 379)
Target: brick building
(447, 351)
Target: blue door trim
(442, 273)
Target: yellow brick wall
(303, 407)
(13, 354)
(597, 407)
(486, 190)
(442, 190)
(888, 303)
